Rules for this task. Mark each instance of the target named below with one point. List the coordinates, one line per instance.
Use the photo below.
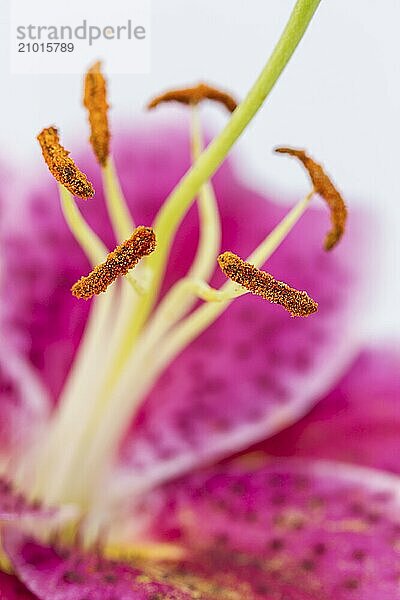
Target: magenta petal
(358, 422)
(72, 575)
(37, 304)
(12, 589)
(15, 507)
(284, 530)
(290, 530)
(24, 404)
(256, 370)
(252, 373)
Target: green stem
(176, 206)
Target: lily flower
(131, 366)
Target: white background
(339, 97)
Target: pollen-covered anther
(297, 303)
(126, 256)
(95, 101)
(326, 189)
(194, 95)
(61, 166)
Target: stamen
(96, 427)
(95, 100)
(260, 283)
(195, 95)
(325, 188)
(61, 166)
(141, 243)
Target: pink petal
(12, 589)
(256, 370)
(289, 530)
(14, 506)
(24, 404)
(284, 530)
(358, 422)
(37, 302)
(71, 575)
(252, 373)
